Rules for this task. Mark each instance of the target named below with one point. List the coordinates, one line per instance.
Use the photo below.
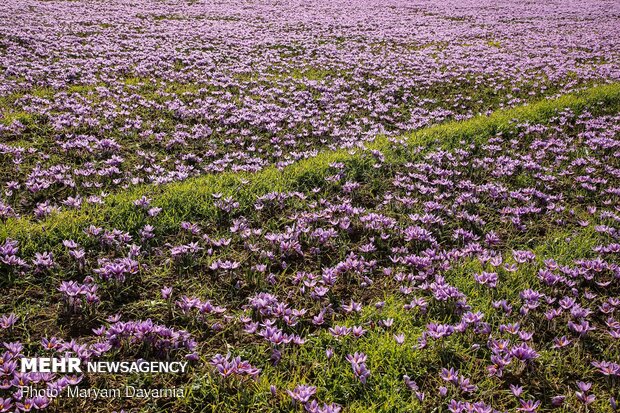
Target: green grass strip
(192, 199)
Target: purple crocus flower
(302, 393)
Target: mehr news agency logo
(73, 365)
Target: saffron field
(322, 206)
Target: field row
(96, 98)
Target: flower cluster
(228, 366)
(358, 364)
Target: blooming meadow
(322, 206)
